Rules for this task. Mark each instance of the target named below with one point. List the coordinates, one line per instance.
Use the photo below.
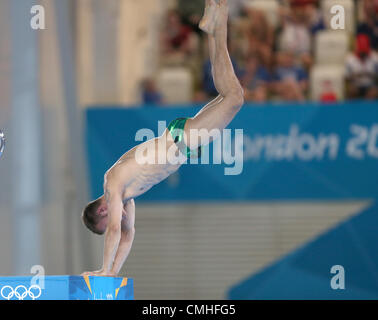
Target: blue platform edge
(66, 288)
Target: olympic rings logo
(21, 292)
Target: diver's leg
(218, 115)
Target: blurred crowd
(272, 61)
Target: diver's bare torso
(133, 178)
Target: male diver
(113, 214)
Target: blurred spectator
(208, 83)
(295, 35)
(150, 94)
(178, 40)
(370, 25)
(191, 13)
(260, 36)
(362, 70)
(236, 8)
(290, 80)
(328, 93)
(255, 81)
(314, 17)
(207, 80)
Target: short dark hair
(90, 217)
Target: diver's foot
(209, 20)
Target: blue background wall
(349, 173)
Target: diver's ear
(102, 210)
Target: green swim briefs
(176, 128)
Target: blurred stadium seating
(331, 47)
(327, 76)
(288, 19)
(175, 85)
